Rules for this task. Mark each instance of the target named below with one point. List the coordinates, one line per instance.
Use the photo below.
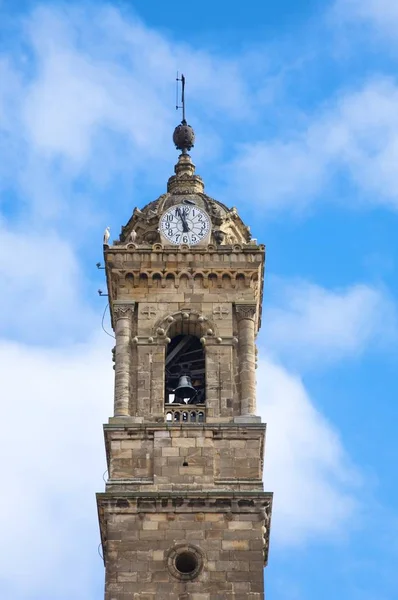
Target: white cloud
(122, 88)
(308, 325)
(381, 13)
(357, 136)
(42, 288)
(54, 403)
(306, 466)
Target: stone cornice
(248, 248)
(228, 502)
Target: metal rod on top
(182, 79)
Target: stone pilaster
(219, 380)
(149, 392)
(247, 356)
(123, 319)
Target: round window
(185, 561)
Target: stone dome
(227, 227)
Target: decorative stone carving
(219, 236)
(149, 311)
(151, 237)
(194, 319)
(123, 311)
(220, 311)
(246, 311)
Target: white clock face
(185, 224)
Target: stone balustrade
(184, 413)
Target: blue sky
(295, 109)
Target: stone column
(123, 315)
(247, 357)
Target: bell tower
(184, 515)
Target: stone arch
(254, 281)
(129, 279)
(185, 354)
(170, 280)
(213, 280)
(143, 280)
(189, 322)
(184, 280)
(199, 280)
(185, 370)
(157, 280)
(240, 280)
(226, 281)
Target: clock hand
(185, 224)
(185, 227)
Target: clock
(185, 224)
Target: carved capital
(246, 311)
(123, 311)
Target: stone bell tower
(184, 514)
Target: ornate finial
(183, 136)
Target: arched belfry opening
(185, 370)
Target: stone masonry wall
(187, 457)
(140, 547)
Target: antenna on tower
(182, 105)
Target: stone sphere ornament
(184, 137)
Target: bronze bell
(185, 388)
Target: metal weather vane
(182, 105)
(184, 135)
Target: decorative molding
(149, 311)
(219, 312)
(123, 311)
(246, 311)
(192, 318)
